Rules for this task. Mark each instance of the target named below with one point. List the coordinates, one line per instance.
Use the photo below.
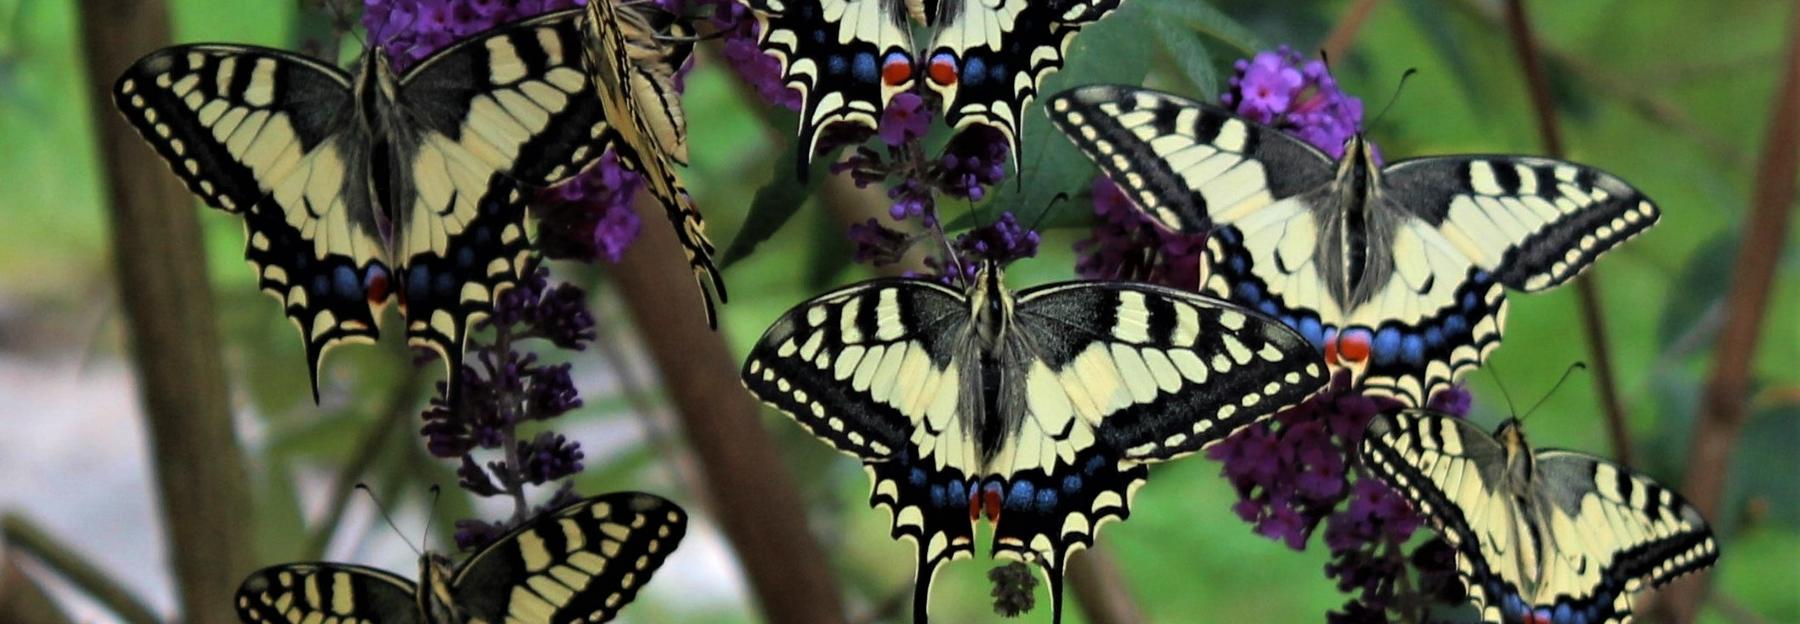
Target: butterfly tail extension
(1044, 520)
(936, 518)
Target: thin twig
(26, 536)
(1648, 103)
(401, 402)
(1344, 33)
(1518, 25)
(23, 597)
(1728, 388)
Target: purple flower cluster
(505, 387)
(411, 30)
(590, 217)
(762, 72)
(1295, 471)
(1281, 89)
(1125, 244)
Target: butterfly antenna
(432, 515)
(390, 519)
(1045, 213)
(1495, 371)
(1559, 382)
(1392, 98)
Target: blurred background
(1676, 97)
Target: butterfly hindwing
(316, 592)
(270, 136)
(847, 58)
(1398, 272)
(581, 563)
(987, 60)
(1045, 430)
(486, 120)
(1578, 537)
(634, 74)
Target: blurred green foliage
(1673, 99)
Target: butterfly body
(1398, 271)
(985, 61)
(1542, 536)
(1036, 410)
(355, 188)
(634, 69)
(580, 563)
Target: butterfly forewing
(579, 564)
(634, 75)
(271, 136)
(1577, 539)
(1046, 431)
(1402, 282)
(317, 592)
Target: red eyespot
(896, 69)
(1353, 345)
(943, 69)
(991, 504)
(375, 285)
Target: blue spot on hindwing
(418, 283)
(836, 65)
(938, 499)
(863, 68)
(344, 284)
(974, 72)
(465, 257)
(1412, 349)
(1020, 495)
(1249, 292)
(1456, 327)
(1386, 345)
(1314, 333)
(916, 477)
(956, 492)
(1071, 484)
(1046, 500)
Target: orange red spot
(942, 69)
(896, 70)
(1352, 346)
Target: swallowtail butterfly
(355, 188)
(986, 59)
(581, 563)
(1397, 272)
(633, 61)
(1038, 410)
(1544, 535)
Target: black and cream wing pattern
(1397, 272)
(985, 61)
(633, 62)
(358, 187)
(1541, 536)
(1038, 412)
(582, 563)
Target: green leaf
(1112, 50)
(1206, 19)
(775, 203)
(1184, 48)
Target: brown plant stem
(1095, 580)
(755, 497)
(160, 266)
(28, 538)
(1338, 42)
(1587, 287)
(23, 600)
(1724, 400)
